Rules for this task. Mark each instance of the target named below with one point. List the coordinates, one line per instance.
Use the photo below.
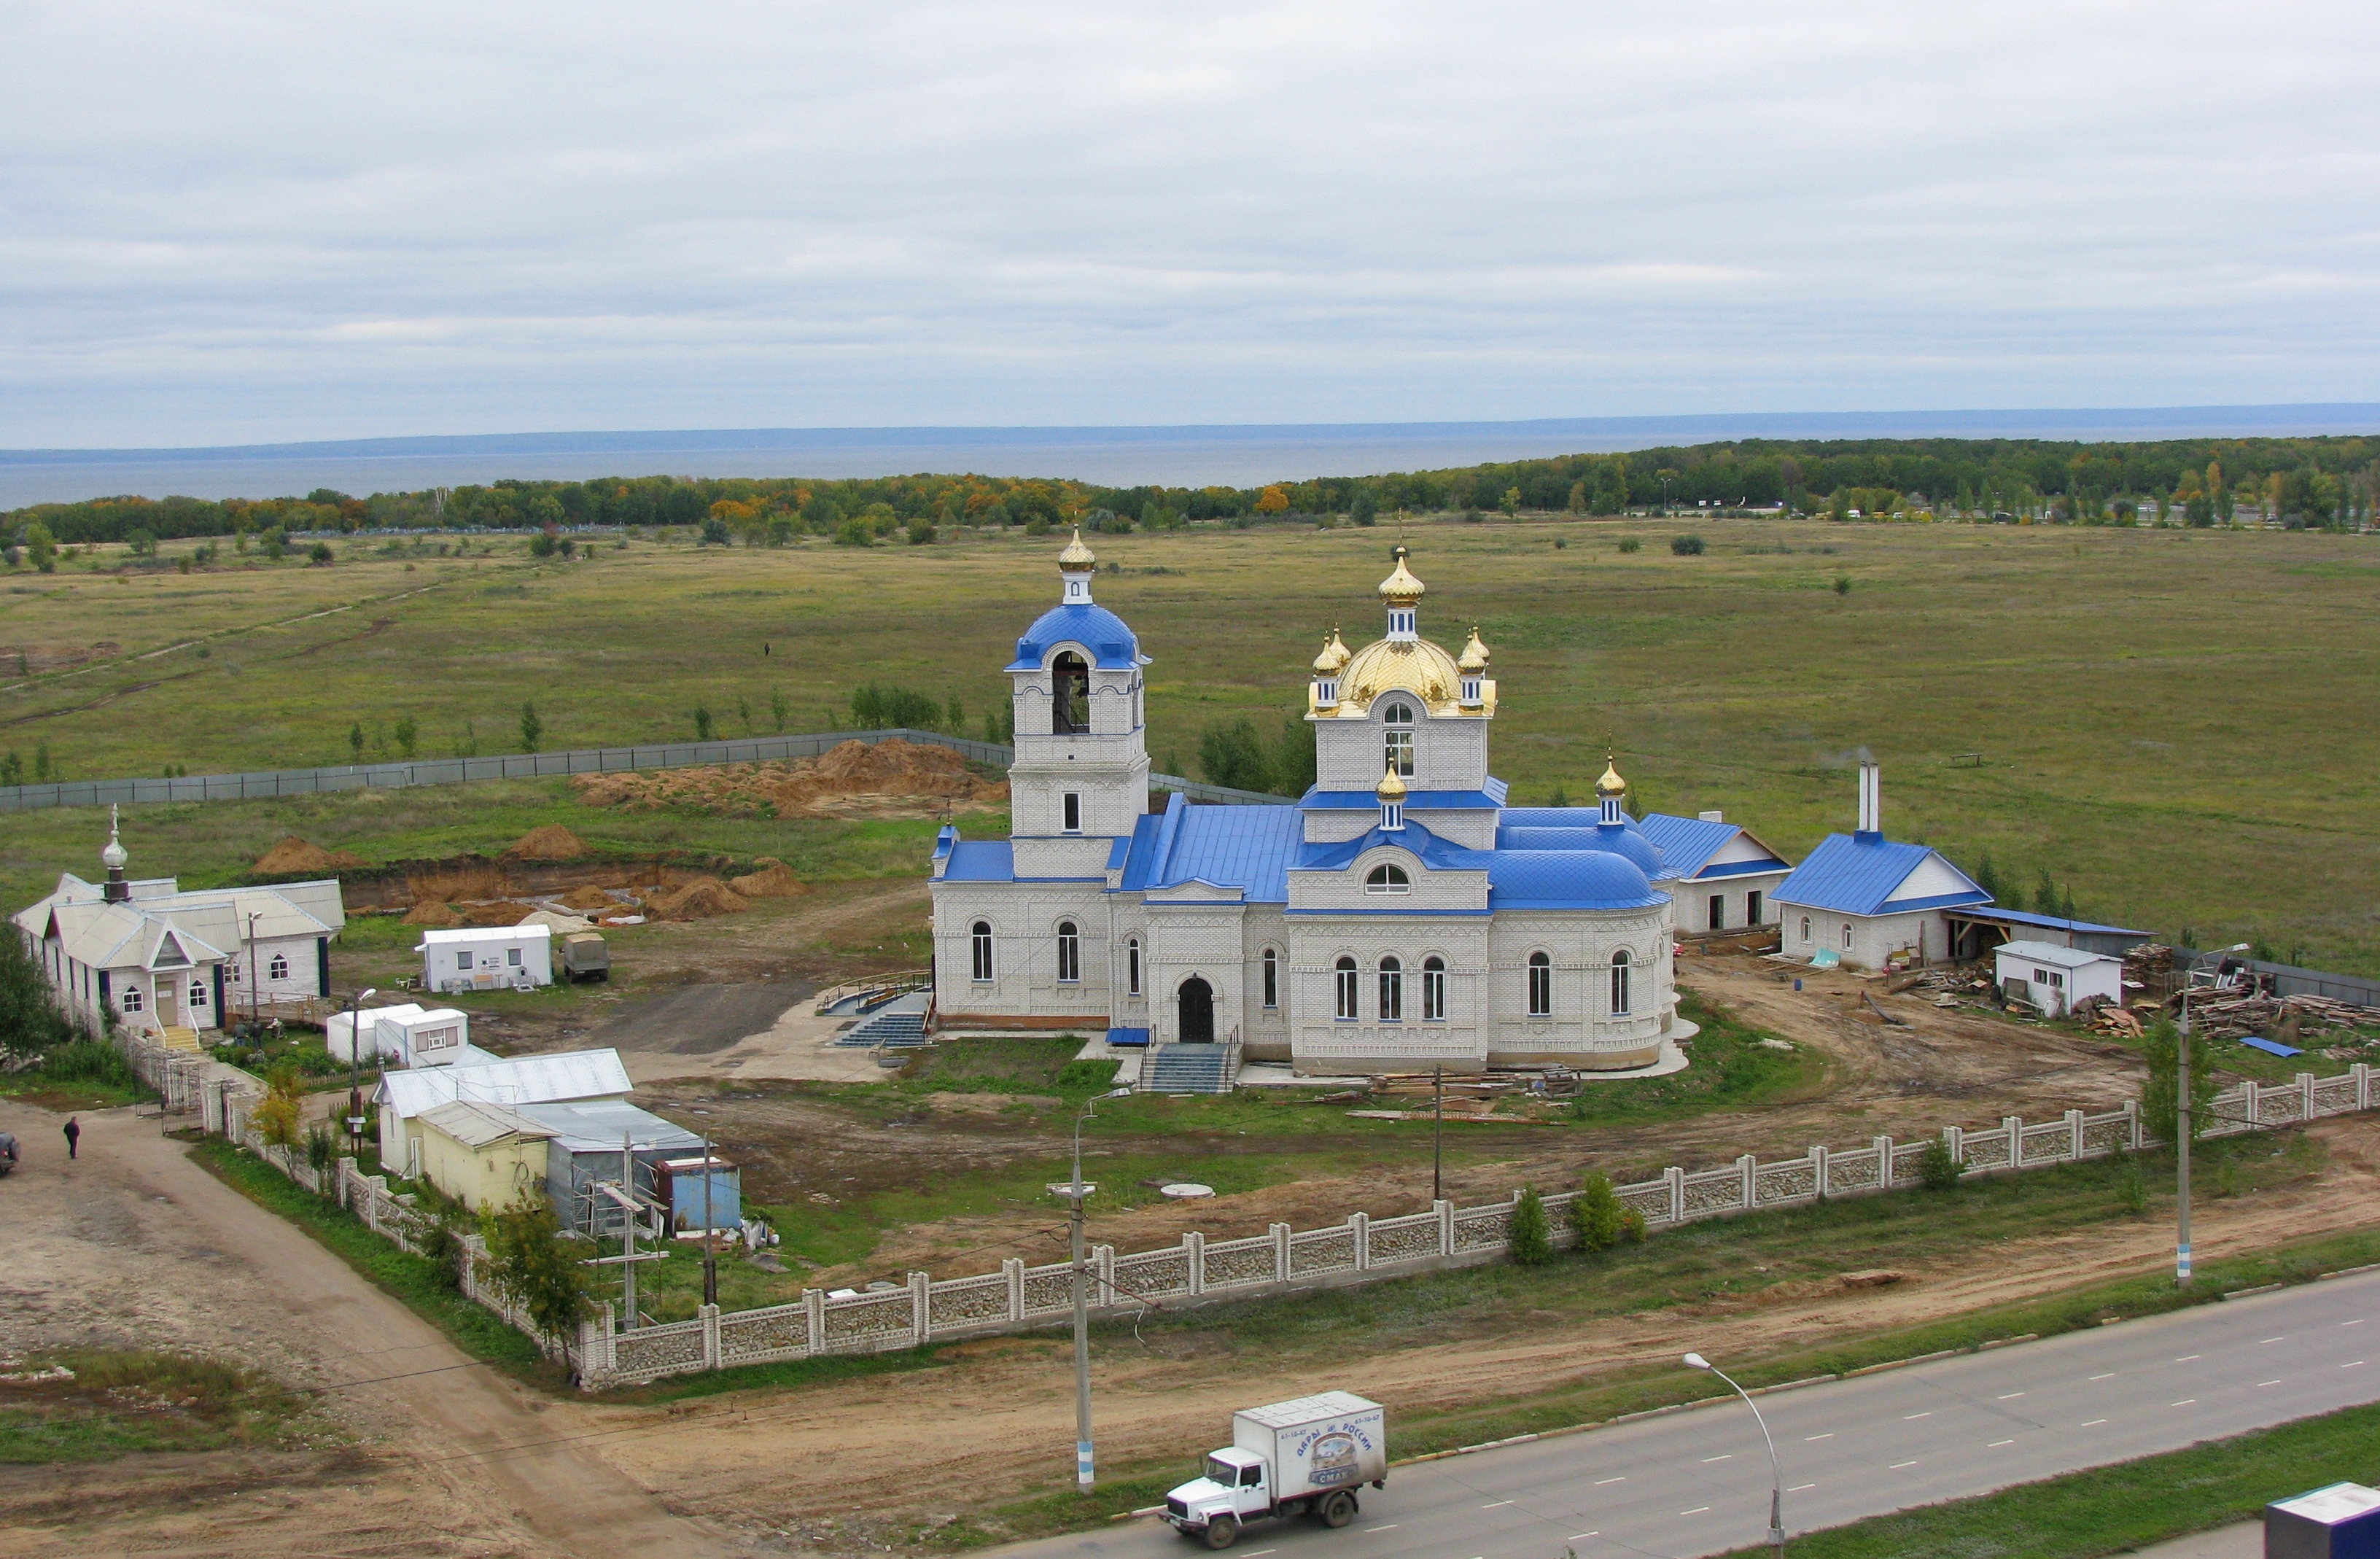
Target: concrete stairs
(176, 1038)
(893, 1030)
(1189, 1069)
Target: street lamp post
(355, 1069)
(1775, 1474)
(1075, 1190)
(2183, 1120)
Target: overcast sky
(225, 222)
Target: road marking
(1927, 1414)
(1260, 1553)
(1601, 1481)
(2108, 1376)
(2350, 1366)
(1389, 1528)
(1897, 1465)
(1997, 1443)
(2094, 1423)
(1700, 1509)
(2259, 1383)
(2011, 1396)
(1799, 1487)
(2261, 1342)
(1501, 1504)
(1729, 1457)
(2185, 1358)
(1830, 1433)
(1598, 1534)
(2357, 1322)
(2185, 1402)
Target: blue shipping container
(682, 1187)
(2341, 1521)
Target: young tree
(532, 729)
(356, 741)
(2044, 893)
(701, 722)
(30, 1023)
(1291, 770)
(1602, 1219)
(955, 717)
(531, 1265)
(777, 707)
(1937, 1169)
(41, 548)
(743, 713)
(1364, 509)
(276, 1118)
(1532, 1235)
(1511, 503)
(1231, 755)
(407, 734)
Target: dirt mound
(698, 899)
(552, 841)
(449, 882)
(889, 778)
(432, 914)
(773, 880)
(502, 912)
(588, 898)
(293, 856)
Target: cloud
(274, 221)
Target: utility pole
(709, 1246)
(2185, 1123)
(629, 1229)
(355, 1069)
(1075, 1191)
(1438, 1134)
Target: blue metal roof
(1567, 880)
(981, 860)
(1618, 839)
(1117, 849)
(1101, 631)
(2053, 922)
(1484, 800)
(1857, 874)
(1415, 838)
(1557, 817)
(1246, 847)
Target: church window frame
(199, 995)
(1070, 695)
(1388, 878)
(1397, 739)
(1070, 954)
(1805, 928)
(1847, 936)
(979, 951)
(1392, 988)
(1621, 1005)
(1433, 989)
(133, 998)
(1070, 812)
(1132, 965)
(279, 968)
(1349, 980)
(1272, 979)
(1541, 985)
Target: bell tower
(1081, 775)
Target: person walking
(74, 1134)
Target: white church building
(1397, 917)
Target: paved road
(1698, 1483)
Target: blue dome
(1629, 846)
(1607, 839)
(1567, 880)
(1112, 644)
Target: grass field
(2178, 724)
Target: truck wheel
(1338, 1509)
(1223, 1531)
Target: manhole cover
(1184, 1189)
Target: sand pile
(773, 880)
(552, 842)
(436, 915)
(293, 856)
(502, 912)
(451, 882)
(699, 898)
(589, 899)
(890, 779)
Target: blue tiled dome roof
(1112, 644)
(1567, 880)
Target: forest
(2301, 481)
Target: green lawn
(2180, 725)
(121, 1401)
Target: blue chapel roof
(1110, 643)
(1857, 873)
(1245, 848)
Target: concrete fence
(526, 765)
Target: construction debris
(889, 778)
(294, 857)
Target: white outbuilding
(406, 1035)
(2053, 978)
(487, 958)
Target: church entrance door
(1197, 1003)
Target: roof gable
(1868, 874)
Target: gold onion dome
(1401, 588)
(1414, 665)
(1611, 783)
(1392, 787)
(1077, 555)
(1475, 654)
(1334, 657)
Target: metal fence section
(529, 765)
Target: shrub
(882, 707)
(276, 1117)
(1531, 1236)
(532, 729)
(1630, 544)
(319, 554)
(1937, 1170)
(2132, 1191)
(1686, 546)
(1842, 584)
(534, 1267)
(1595, 1213)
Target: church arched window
(1620, 984)
(1132, 965)
(1070, 954)
(1392, 990)
(1070, 696)
(1399, 743)
(1541, 985)
(980, 940)
(1350, 982)
(1271, 978)
(1388, 878)
(1433, 989)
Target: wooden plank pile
(2227, 1015)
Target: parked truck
(1303, 1456)
(584, 956)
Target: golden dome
(1414, 665)
(1334, 657)
(1611, 783)
(1392, 787)
(1475, 654)
(1400, 588)
(1077, 555)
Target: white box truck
(1302, 1456)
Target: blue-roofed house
(1866, 898)
(1397, 917)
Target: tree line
(2313, 480)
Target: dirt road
(134, 1246)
